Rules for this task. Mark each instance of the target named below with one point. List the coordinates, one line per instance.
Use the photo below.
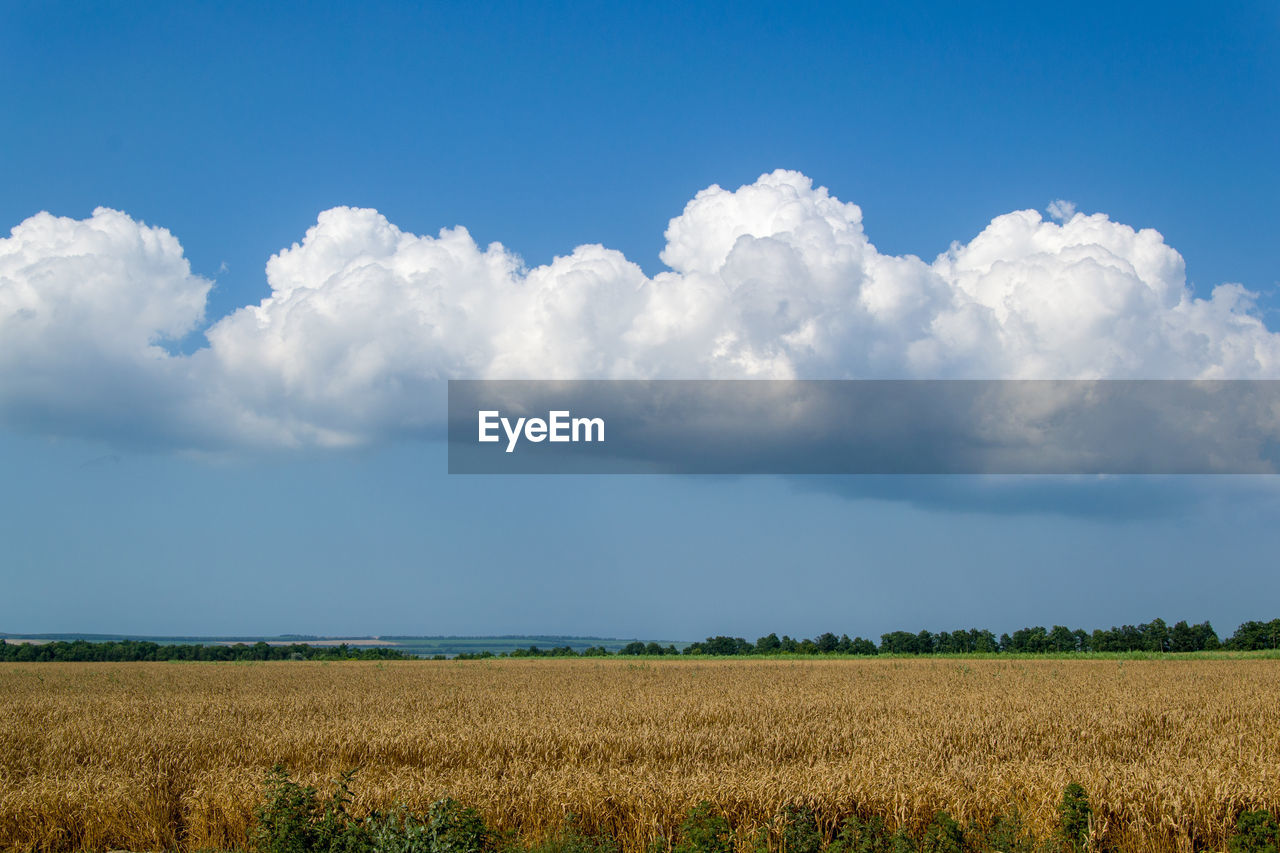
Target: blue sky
(136, 499)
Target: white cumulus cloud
(776, 279)
(85, 307)
(1060, 210)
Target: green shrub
(943, 835)
(800, 833)
(336, 831)
(448, 827)
(1256, 832)
(703, 831)
(287, 817)
(1007, 835)
(859, 836)
(398, 831)
(293, 819)
(454, 828)
(900, 842)
(1074, 816)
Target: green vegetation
(1075, 817)
(535, 652)
(1154, 637)
(415, 646)
(297, 819)
(135, 650)
(458, 646)
(1256, 832)
(704, 831)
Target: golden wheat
(164, 756)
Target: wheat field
(164, 755)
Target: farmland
(168, 755)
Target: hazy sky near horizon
(250, 242)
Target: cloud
(85, 309)
(776, 279)
(1061, 210)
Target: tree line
(1153, 636)
(142, 650)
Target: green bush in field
(455, 828)
(398, 831)
(447, 827)
(286, 819)
(800, 833)
(293, 819)
(943, 835)
(862, 836)
(1007, 835)
(704, 831)
(900, 842)
(1074, 816)
(1256, 832)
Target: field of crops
(160, 756)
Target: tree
(863, 647)
(1251, 636)
(1061, 639)
(1207, 638)
(768, 645)
(722, 645)
(1030, 640)
(899, 643)
(1155, 636)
